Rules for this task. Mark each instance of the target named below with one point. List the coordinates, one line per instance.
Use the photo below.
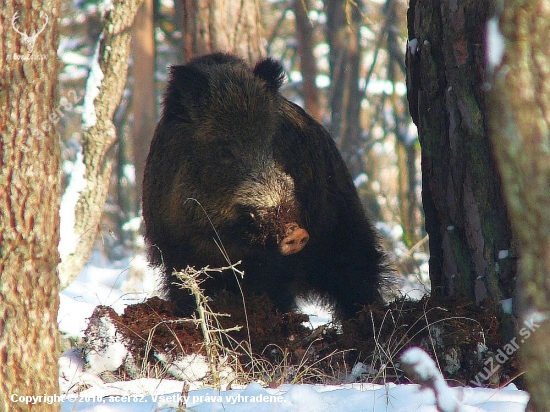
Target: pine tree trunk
(470, 241)
(144, 103)
(520, 132)
(29, 205)
(308, 66)
(100, 135)
(230, 26)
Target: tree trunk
(308, 66)
(520, 131)
(222, 26)
(466, 218)
(143, 93)
(104, 90)
(343, 19)
(29, 205)
(406, 148)
(409, 213)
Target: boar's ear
(271, 72)
(186, 93)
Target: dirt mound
(464, 340)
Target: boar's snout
(294, 241)
(267, 196)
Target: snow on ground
(103, 283)
(154, 395)
(117, 285)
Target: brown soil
(452, 332)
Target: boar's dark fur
(235, 164)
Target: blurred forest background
(345, 64)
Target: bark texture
(222, 26)
(470, 241)
(520, 130)
(100, 137)
(29, 205)
(343, 20)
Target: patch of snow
(109, 351)
(319, 313)
(534, 316)
(412, 289)
(129, 172)
(495, 43)
(71, 372)
(322, 81)
(426, 370)
(165, 395)
(295, 76)
(360, 370)
(132, 225)
(413, 46)
(192, 367)
(299, 392)
(452, 361)
(73, 73)
(73, 315)
(503, 254)
(106, 6)
(377, 87)
(71, 57)
(114, 284)
(93, 84)
(507, 306)
(77, 183)
(360, 179)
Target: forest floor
(132, 353)
(459, 336)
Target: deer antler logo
(28, 40)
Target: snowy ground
(113, 284)
(152, 395)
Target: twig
(207, 319)
(419, 365)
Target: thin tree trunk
(222, 26)
(308, 67)
(29, 205)
(143, 96)
(408, 202)
(104, 90)
(520, 131)
(343, 20)
(406, 148)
